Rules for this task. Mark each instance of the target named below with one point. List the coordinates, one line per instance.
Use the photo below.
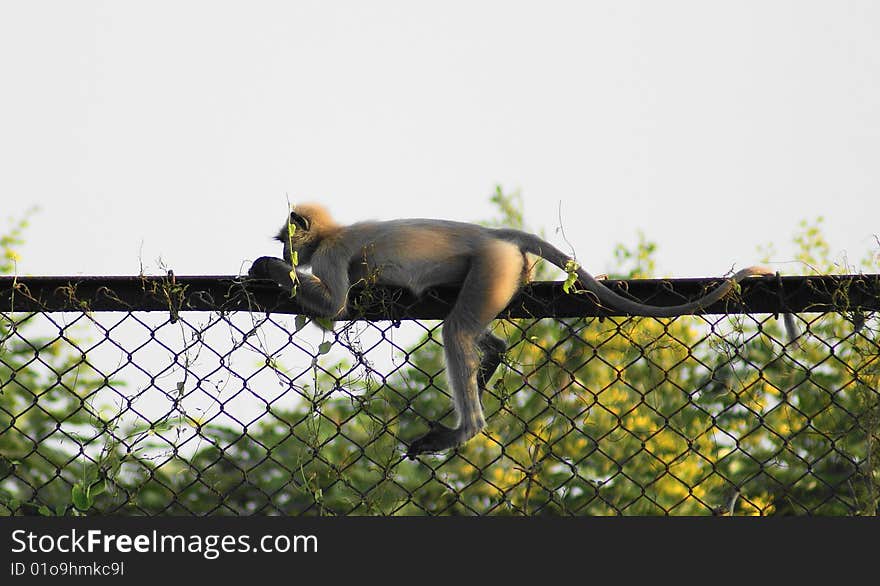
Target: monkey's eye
(299, 221)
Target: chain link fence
(214, 396)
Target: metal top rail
(793, 294)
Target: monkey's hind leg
(491, 282)
(492, 349)
(460, 349)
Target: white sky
(177, 129)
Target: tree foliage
(587, 416)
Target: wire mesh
(215, 396)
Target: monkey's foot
(438, 439)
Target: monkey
(488, 265)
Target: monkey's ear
(299, 221)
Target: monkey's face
(296, 235)
(306, 226)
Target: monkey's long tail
(540, 247)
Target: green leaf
(80, 496)
(571, 268)
(324, 347)
(325, 323)
(96, 489)
(300, 322)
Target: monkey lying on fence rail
(489, 265)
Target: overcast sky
(177, 130)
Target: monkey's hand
(439, 438)
(311, 293)
(259, 269)
(274, 269)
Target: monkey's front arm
(316, 296)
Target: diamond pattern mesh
(211, 397)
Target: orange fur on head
(320, 218)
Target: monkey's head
(304, 229)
